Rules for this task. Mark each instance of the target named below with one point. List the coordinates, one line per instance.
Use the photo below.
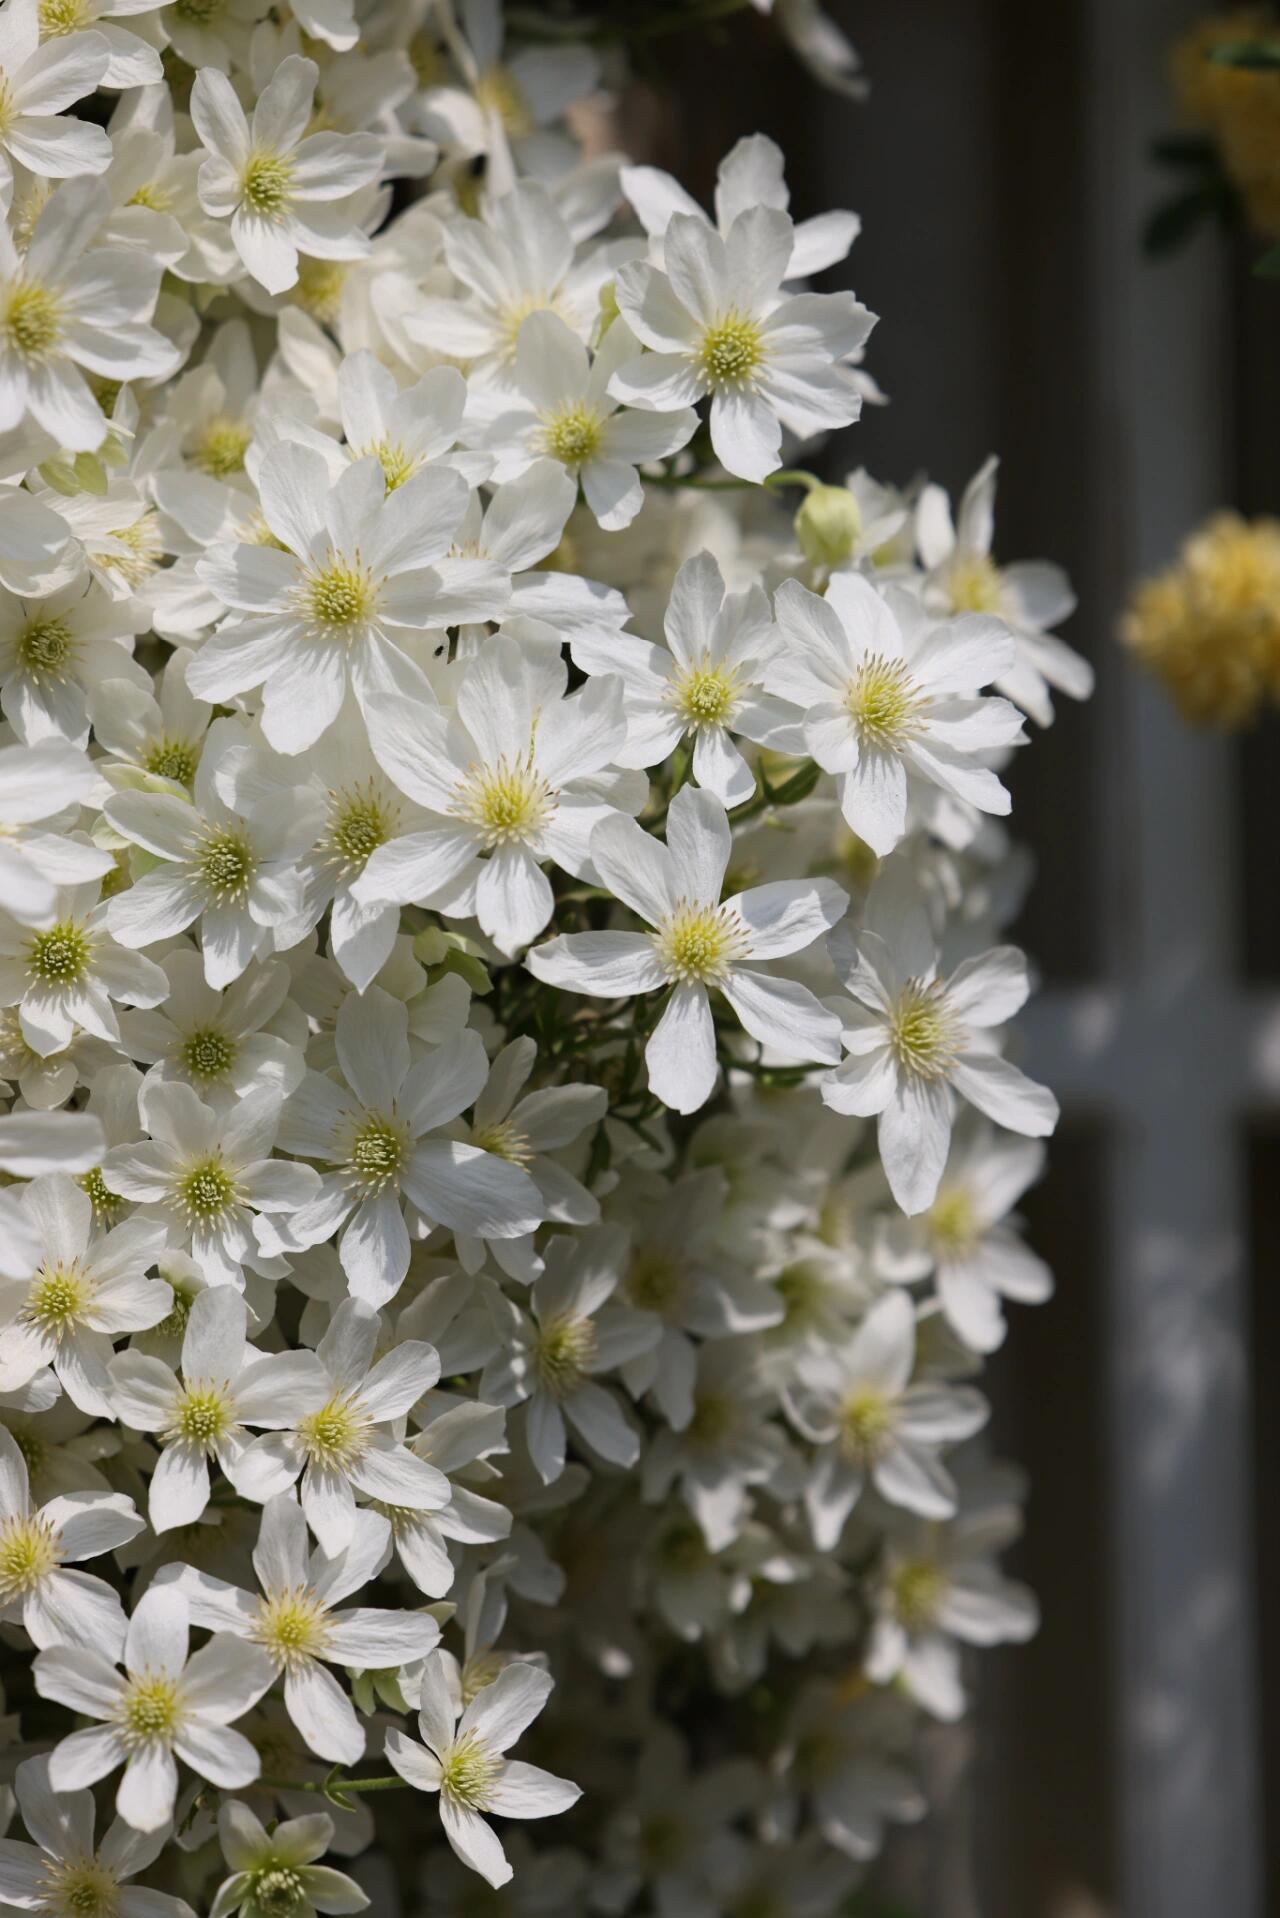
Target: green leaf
(1254, 56)
(1174, 222)
(1267, 267)
(1192, 151)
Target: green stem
(698, 483)
(326, 1786)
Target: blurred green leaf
(1267, 267)
(1255, 56)
(1177, 219)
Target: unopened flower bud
(828, 525)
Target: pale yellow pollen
(974, 585)
(700, 943)
(206, 1191)
(225, 865)
(918, 1589)
(563, 1352)
(151, 1708)
(923, 1036)
(203, 1415)
(265, 183)
(360, 820)
(339, 598)
(58, 17)
(31, 320)
(468, 1773)
(144, 549)
(44, 646)
(952, 1222)
(153, 196)
(172, 759)
(378, 1151)
(292, 1626)
(730, 351)
(80, 1888)
(28, 1553)
(336, 1435)
(508, 802)
(221, 446)
(505, 1141)
(59, 957)
(884, 702)
(397, 462)
(866, 1423)
(573, 435)
(498, 92)
(704, 696)
(655, 1281)
(59, 1297)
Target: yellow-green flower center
(468, 1773)
(919, 1588)
(377, 1153)
(28, 1553)
(730, 351)
(203, 1414)
(655, 1281)
(952, 1222)
(866, 1422)
(276, 1891)
(359, 822)
(335, 1434)
(397, 463)
(339, 597)
(226, 866)
(704, 696)
(172, 759)
(106, 1204)
(265, 183)
(505, 1141)
(152, 196)
(62, 16)
(292, 1627)
(509, 802)
(208, 1053)
(43, 647)
(222, 446)
(572, 435)
(58, 957)
(80, 1888)
(564, 1349)
(884, 702)
(30, 320)
(700, 943)
(922, 1033)
(150, 1709)
(206, 1191)
(58, 1298)
(974, 584)
(499, 92)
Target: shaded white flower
(38, 84)
(297, 1619)
(553, 1357)
(975, 1255)
(465, 1761)
(41, 790)
(56, 1606)
(350, 1444)
(227, 1385)
(167, 1706)
(705, 686)
(70, 974)
(79, 1293)
(219, 1043)
(233, 868)
(872, 1424)
(916, 1037)
(54, 653)
(364, 571)
(268, 1867)
(375, 1132)
(285, 191)
(69, 308)
(720, 325)
(62, 1873)
(568, 415)
(517, 772)
(698, 944)
(889, 699)
(207, 1175)
(1027, 597)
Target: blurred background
(1123, 1765)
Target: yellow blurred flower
(1239, 109)
(1210, 626)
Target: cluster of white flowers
(481, 841)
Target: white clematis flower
(62, 1873)
(167, 1706)
(889, 699)
(295, 1618)
(284, 190)
(56, 1606)
(871, 1424)
(698, 943)
(227, 1386)
(465, 1761)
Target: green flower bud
(828, 525)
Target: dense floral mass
(514, 1127)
